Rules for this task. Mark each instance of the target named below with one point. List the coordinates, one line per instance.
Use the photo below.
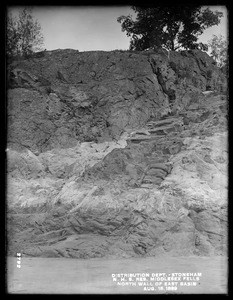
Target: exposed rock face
(160, 188)
(67, 96)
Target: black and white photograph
(116, 149)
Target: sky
(95, 28)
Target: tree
(169, 27)
(23, 34)
(218, 47)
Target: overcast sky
(95, 28)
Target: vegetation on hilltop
(23, 34)
(169, 27)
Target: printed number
(18, 259)
(171, 288)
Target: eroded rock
(69, 96)
(154, 184)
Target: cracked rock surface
(117, 154)
(69, 96)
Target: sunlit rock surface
(150, 180)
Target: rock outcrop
(69, 96)
(117, 154)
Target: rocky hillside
(66, 96)
(117, 154)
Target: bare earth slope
(117, 154)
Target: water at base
(95, 276)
